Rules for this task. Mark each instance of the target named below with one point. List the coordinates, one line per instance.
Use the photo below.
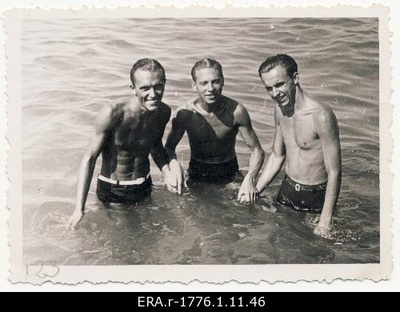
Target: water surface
(72, 67)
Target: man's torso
(129, 142)
(212, 136)
(304, 155)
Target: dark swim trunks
(124, 192)
(199, 171)
(307, 198)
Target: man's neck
(211, 108)
(300, 98)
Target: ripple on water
(207, 224)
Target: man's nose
(209, 87)
(152, 92)
(275, 92)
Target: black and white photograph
(221, 141)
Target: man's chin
(285, 105)
(152, 106)
(212, 100)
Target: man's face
(280, 86)
(149, 88)
(208, 85)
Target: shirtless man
(307, 137)
(212, 122)
(125, 134)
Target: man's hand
(248, 192)
(323, 231)
(175, 178)
(323, 227)
(75, 218)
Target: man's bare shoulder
(187, 109)
(324, 116)
(322, 110)
(318, 109)
(109, 115)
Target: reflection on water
(66, 81)
(206, 225)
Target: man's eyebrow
(278, 83)
(149, 86)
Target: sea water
(73, 67)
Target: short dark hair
(283, 60)
(147, 64)
(206, 63)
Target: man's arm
(248, 191)
(96, 144)
(157, 150)
(275, 160)
(328, 132)
(176, 134)
(174, 137)
(171, 170)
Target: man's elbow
(335, 174)
(278, 156)
(260, 152)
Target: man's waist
(213, 160)
(136, 181)
(305, 187)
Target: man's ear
(296, 78)
(133, 88)
(193, 85)
(164, 83)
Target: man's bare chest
(132, 134)
(299, 133)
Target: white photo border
(188, 273)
